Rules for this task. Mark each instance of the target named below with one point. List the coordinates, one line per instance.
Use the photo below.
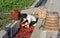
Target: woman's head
(24, 15)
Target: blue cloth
(7, 29)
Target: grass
(7, 5)
(5, 19)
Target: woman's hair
(21, 19)
(24, 15)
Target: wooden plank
(36, 32)
(3, 34)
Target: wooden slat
(36, 32)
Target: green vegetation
(4, 20)
(0, 23)
(7, 5)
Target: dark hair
(22, 19)
(24, 15)
(25, 21)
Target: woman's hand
(27, 25)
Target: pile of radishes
(25, 32)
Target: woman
(31, 19)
